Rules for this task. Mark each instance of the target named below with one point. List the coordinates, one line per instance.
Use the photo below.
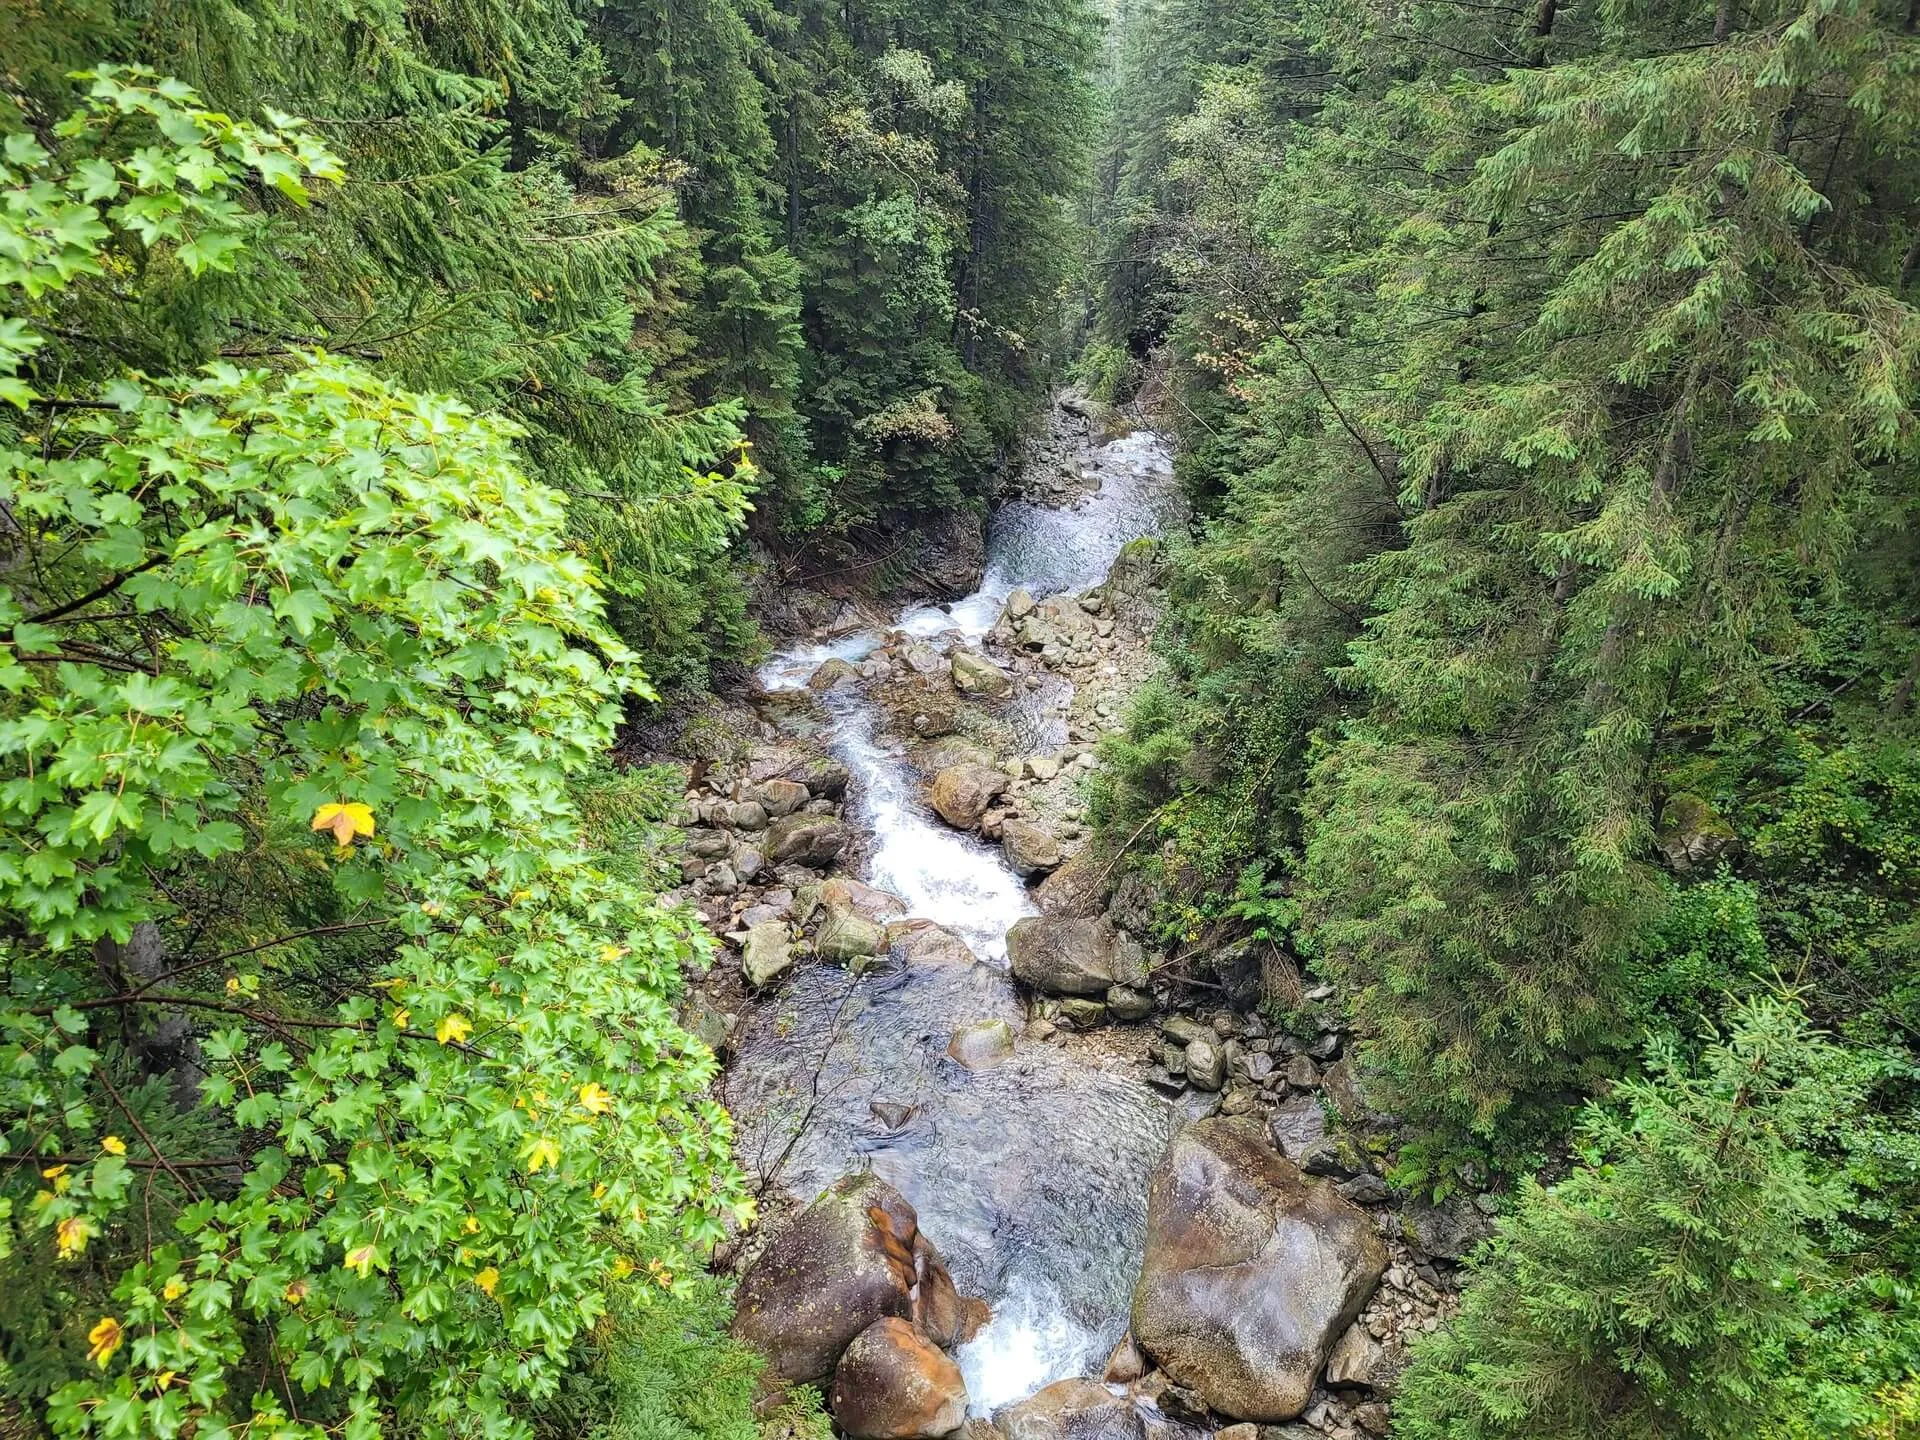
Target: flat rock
(982, 1045)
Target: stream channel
(1031, 1175)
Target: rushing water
(1030, 1175)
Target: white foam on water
(944, 876)
(1031, 1341)
(790, 668)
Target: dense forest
(1543, 669)
(397, 398)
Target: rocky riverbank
(1254, 1269)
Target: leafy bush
(338, 1085)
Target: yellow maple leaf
(174, 1289)
(114, 1145)
(345, 819)
(71, 1235)
(53, 1172)
(452, 1028)
(473, 1224)
(595, 1099)
(164, 1379)
(543, 1153)
(359, 1260)
(103, 1339)
(401, 1017)
(487, 1279)
(611, 953)
(295, 1293)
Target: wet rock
(767, 954)
(1251, 1271)
(950, 554)
(841, 1264)
(1126, 1004)
(891, 1114)
(1078, 889)
(930, 946)
(803, 839)
(935, 1306)
(781, 797)
(845, 934)
(1062, 956)
(1030, 849)
(983, 1045)
(1206, 1066)
(864, 900)
(974, 674)
(1071, 1410)
(893, 1383)
(1125, 1363)
(1019, 604)
(833, 674)
(962, 793)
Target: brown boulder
(962, 793)
(844, 1262)
(1071, 1410)
(1251, 1272)
(893, 1383)
(1078, 888)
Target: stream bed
(1030, 1175)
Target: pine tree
(1672, 1284)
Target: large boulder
(1063, 956)
(1251, 1272)
(1077, 889)
(981, 1045)
(1030, 849)
(833, 674)
(1071, 1410)
(894, 1383)
(781, 797)
(803, 839)
(962, 793)
(974, 674)
(844, 1262)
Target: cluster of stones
(852, 1297)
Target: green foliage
(1674, 1284)
(670, 1371)
(340, 1084)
